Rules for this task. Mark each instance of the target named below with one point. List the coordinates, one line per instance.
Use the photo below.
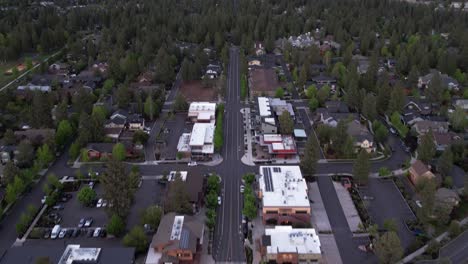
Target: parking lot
(171, 132)
(388, 203)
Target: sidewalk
(319, 215)
(351, 214)
(247, 158)
(257, 233)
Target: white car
(219, 200)
(242, 188)
(91, 184)
(392, 130)
(97, 231)
(88, 222)
(62, 233)
(192, 164)
(99, 203)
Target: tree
(369, 107)
(311, 91)
(10, 171)
(313, 104)
(86, 196)
(361, 167)
(44, 155)
(180, 104)
(323, 94)
(445, 162)
(178, 200)
(136, 238)
(64, 133)
(435, 89)
(454, 228)
(397, 100)
(122, 96)
(380, 132)
(426, 189)
(150, 107)
(25, 154)
(117, 188)
(458, 119)
(74, 150)
(119, 152)
(388, 248)
(116, 225)
(151, 216)
(286, 123)
(9, 137)
(426, 149)
(390, 225)
(311, 156)
(279, 93)
(140, 137)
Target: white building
(285, 244)
(283, 192)
(199, 143)
(202, 112)
(264, 106)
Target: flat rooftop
(285, 239)
(202, 133)
(264, 106)
(283, 186)
(202, 110)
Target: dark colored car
(90, 232)
(76, 232)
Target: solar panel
(184, 239)
(268, 180)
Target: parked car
(99, 203)
(103, 233)
(392, 130)
(55, 232)
(418, 203)
(97, 231)
(90, 233)
(368, 198)
(192, 164)
(91, 184)
(91, 174)
(88, 222)
(62, 233)
(69, 232)
(82, 222)
(43, 200)
(219, 200)
(242, 188)
(58, 207)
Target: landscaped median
(218, 134)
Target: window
(301, 212)
(271, 212)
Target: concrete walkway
(351, 214)
(247, 158)
(319, 215)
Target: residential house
(254, 63)
(336, 107)
(213, 71)
(8, 153)
(285, 244)
(447, 198)
(283, 195)
(268, 125)
(418, 171)
(424, 126)
(179, 239)
(202, 112)
(363, 63)
(97, 151)
(112, 132)
(447, 81)
(363, 139)
(324, 116)
(135, 122)
(259, 48)
(59, 68)
(444, 140)
(36, 136)
(323, 79)
(416, 110)
(462, 103)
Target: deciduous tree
(361, 167)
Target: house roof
(459, 176)
(101, 147)
(358, 131)
(35, 134)
(445, 194)
(178, 232)
(444, 78)
(336, 107)
(419, 167)
(444, 139)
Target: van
(55, 232)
